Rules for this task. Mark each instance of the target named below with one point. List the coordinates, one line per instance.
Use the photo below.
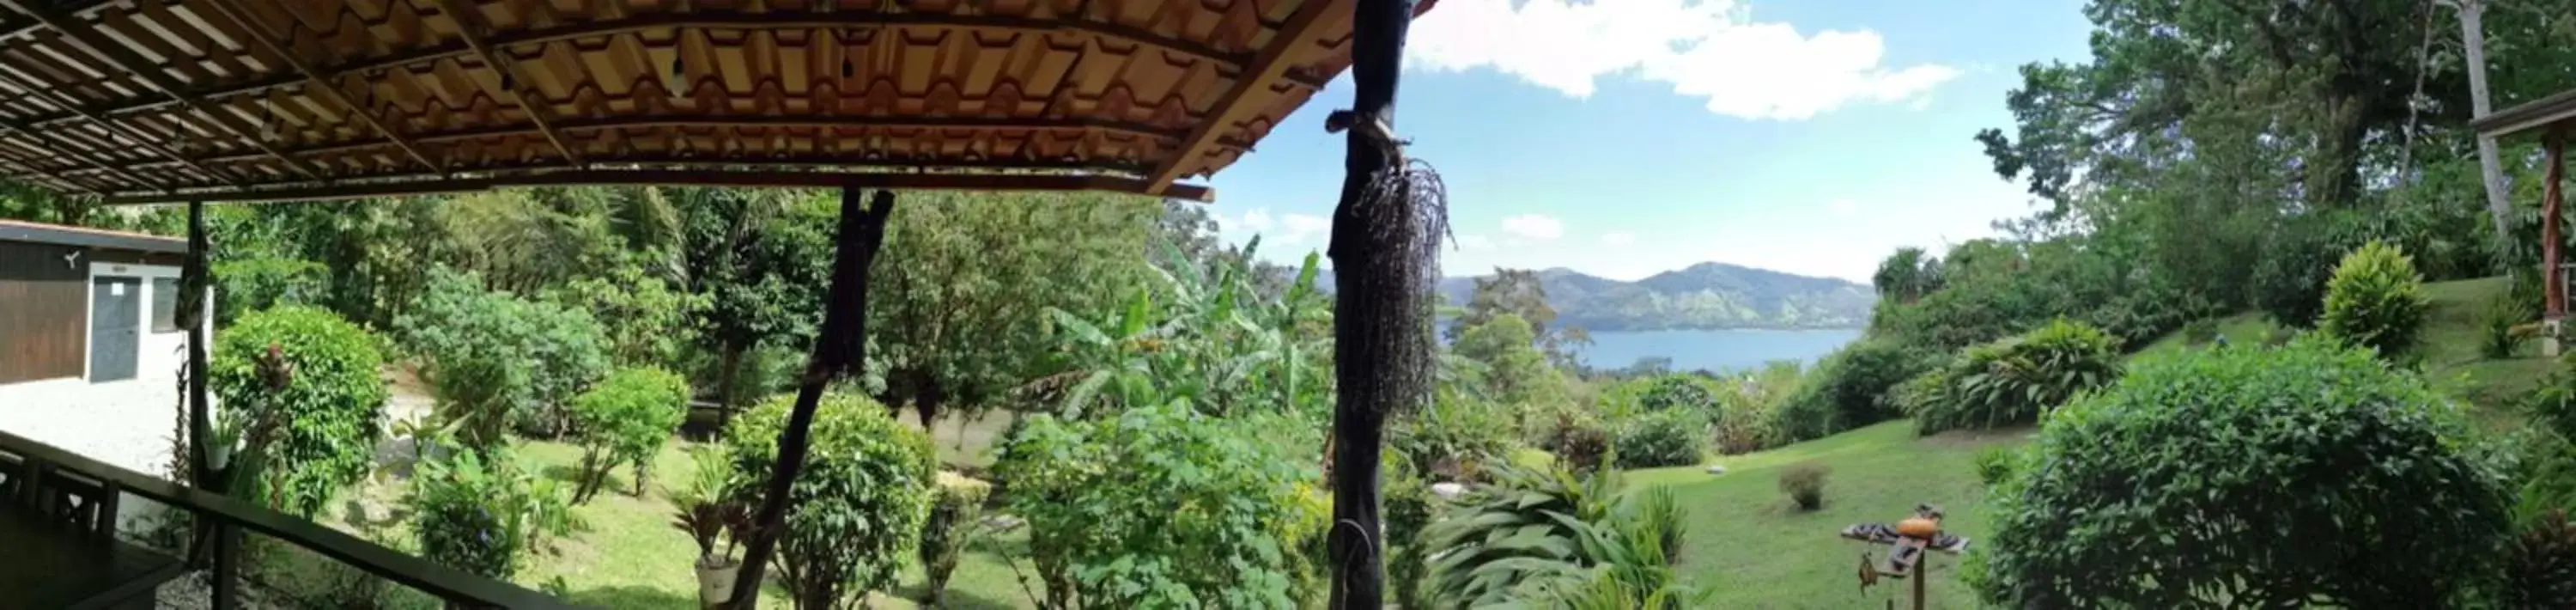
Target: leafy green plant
(2540, 564)
(1994, 464)
(2314, 475)
(2376, 300)
(624, 421)
(493, 359)
(1579, 442)
(1408, 507)
(1804, 483)
(2200, 332)
(1161, 507)
(248, 285)
(707, 513)
(1670, 437)
(857, 507)
(1849, 388)
(329, 411)
(1453, 437)
(2012, 381)
(485, 515)
(2498, 327)
(1219, 343)
(644, 319)
(2290, 277)
(956, 520)
(1553, 534)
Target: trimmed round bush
(951, 527)
(330, 412)
(858, 506)
(2307, 475)
(2376, 300)
(2012, 381)
(624, 421)
(1672, 437)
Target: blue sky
(1626, 137)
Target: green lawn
(2449, 356)
(1748, 543)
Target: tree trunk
(838, 351)
(1383, 246)
(730, 373)
(2473, 36)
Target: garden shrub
(624, 421)
(495, 360)
(1849, 388)
(1804, 483)
(2289, 281)
(644, 319)
(1453, 437)
(484, 515)
(2012, 381)
(2376, 300)
(1535, 533)
(1671, 437)
(1579, 442)
(1679, 391)
(248, 285)
(956, 515)
(2305, 475)
(1159, 506)
(857, 507)
(2540, 565)
(330, 411)
(1994, 464)
(2500, 326)
(2200, 332)
(1408, 507)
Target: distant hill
(1702, 296)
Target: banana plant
(1213, 340)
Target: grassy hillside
(2450, 357)
(1748, 543)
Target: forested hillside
(1702, 296)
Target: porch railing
(80, 475)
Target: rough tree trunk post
(193, 282)
(2473, 36)
(1381, 311)
(838, 352)
(2556, 301)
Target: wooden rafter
(1230, 108)
(468, 28)
(81, 35)
(822, 21)
(323, 81)
(57, 97)
(587, 177)
(71, 149)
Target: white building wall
(126, 423)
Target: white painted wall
(126, 423)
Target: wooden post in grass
(838, 351)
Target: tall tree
(965, 280)
(757, 257)
(1522, 293)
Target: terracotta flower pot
(715, 580)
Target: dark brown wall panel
(43, 312)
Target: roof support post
(2550, 199)
(1385, 248)
(838, 352)
(194, 279)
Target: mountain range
(1702, 296)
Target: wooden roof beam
(469, 27)
(88, 40)
(768, 178)
(259, 34)
(1230, 107)
(71, 150)
(143, 140)
(847, 19)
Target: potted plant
(714, 521)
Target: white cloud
(1537, 227)
(1297, 227)
(1843, 208)
(1703, 48)
(1474, 243)
(1618, 239)
(1253, 221)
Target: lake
(1715, 350)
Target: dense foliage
(2314, 475)
(955, 521)
(484, 514)
(1215, 341)
(1554, 535)
(245, 286)
(2013, 381)
(1804, 484)
(1160, 506)
(1848, 389)
(644, 318)
(624, 421)
(2376, 300)
(329, 410)
(1672, 437)
(493, 359)
(856, 509)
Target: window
(165, 305)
